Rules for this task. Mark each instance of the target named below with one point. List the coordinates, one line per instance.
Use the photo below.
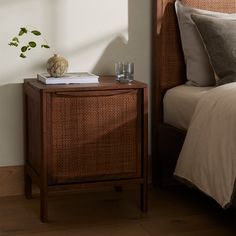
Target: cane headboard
(168, 68)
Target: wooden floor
(172, 212)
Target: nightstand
(85, 135)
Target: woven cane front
(94, 136)
(227, 6)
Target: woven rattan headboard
(168, 67)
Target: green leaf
(13, 44)
(20, 33)
(32, 44)
(16, 39)
(44, 46)
(24, 48)
(23, 30)
(36, 32)
(22, 55)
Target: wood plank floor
(173, 212)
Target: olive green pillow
(219, 37)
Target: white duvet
(208, 156)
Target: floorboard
(172, 212)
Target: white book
(69, 78)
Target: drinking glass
(124, 72)
(130, 71)
(119, 70)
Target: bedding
(179, 104)
(199, 71)
(208, 156)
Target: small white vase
(57, 66)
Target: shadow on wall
(121, 50)
(116, 51)
(11, 124)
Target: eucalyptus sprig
(15, 42)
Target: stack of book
(69, 78)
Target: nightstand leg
(43, 205)
(144, 197)
(28, 186)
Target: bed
(169, 86)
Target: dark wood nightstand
(85, 135)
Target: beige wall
(91, 34)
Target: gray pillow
(198, 67)
(219, 37)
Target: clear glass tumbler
(119, 70)
(130, 71)
(124, 72)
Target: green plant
(16, 42)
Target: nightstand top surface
(105, 82)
